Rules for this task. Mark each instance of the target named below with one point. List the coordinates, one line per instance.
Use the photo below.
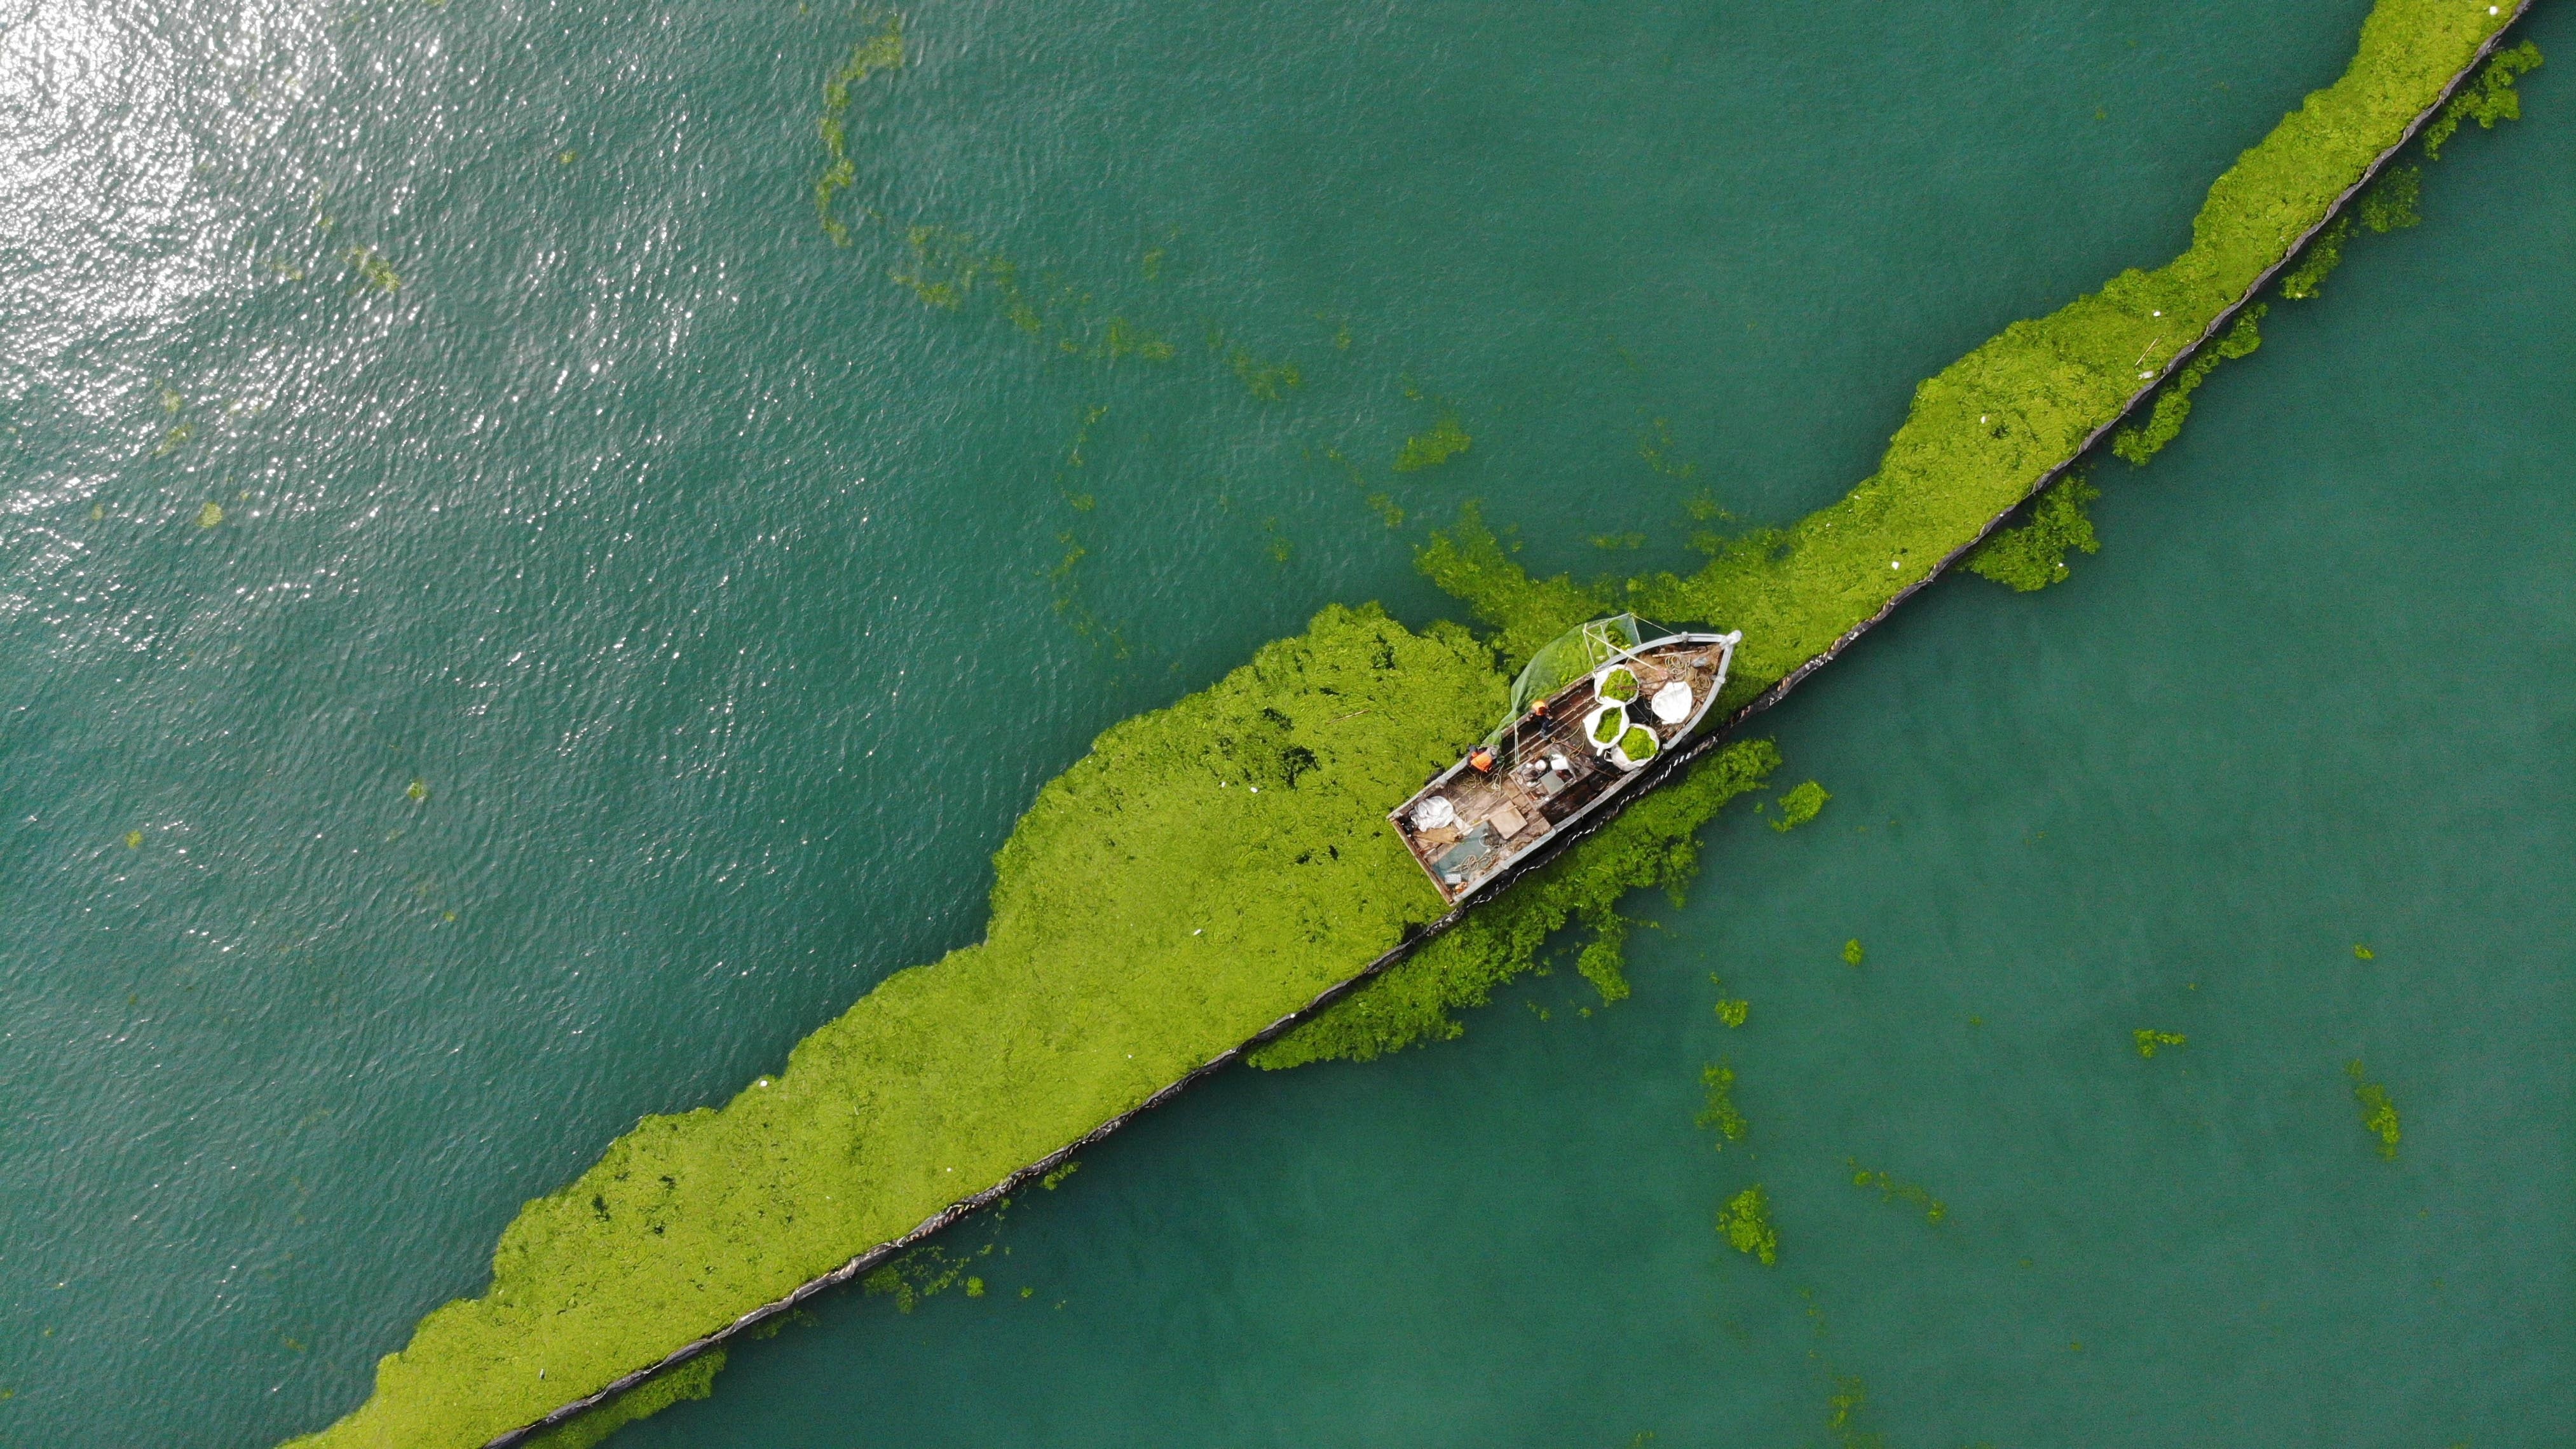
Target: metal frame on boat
(1590, 711)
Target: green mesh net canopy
(1567, 658)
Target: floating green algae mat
(1721, 1115)
(1800, 804)
(1745, 1223)
(1652, 843)
(1088, 995)
(1446, 440)
(695, 1379)
(2148, 1040)
(2378, 1113)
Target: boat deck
(1547, 773)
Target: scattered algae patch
(1853, 955)
(1446, 440)
(881, 51)
(1891, 1190)
(374, 270)
(923, 1273)
(2378, 1114)
(1801, 804)
(1720, 1115)
(1735, 1013)
(1842, 1415)
(2148, 1040)
(1745, 1223)
(1267, 381)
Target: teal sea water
(558, 628)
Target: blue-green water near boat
(637, 524)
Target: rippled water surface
(508, 626)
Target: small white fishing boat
(1591, 710)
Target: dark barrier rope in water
(1655, 775)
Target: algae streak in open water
(1147, 917)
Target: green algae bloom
(1745, 1223)
(2165, 422)
(374, 270)
(2378, 1113)
(881, 51)
(923, 1273)
(2148, 1040)
(695, 1379)
(1619, 685)
(1638, 743)
(1603, 960)
(1651, 843)
(1088, 995)
(1892, 1190)
(1842, 1412)
(2324, 255)
(2031, 555)
(1735, 1013)
(1800, 804)
(1853, 955)
(2487, 100)
(2393, 202)
(1607, 728)
(1093, 989)
(1267, 381)
(1993, 427)
(1446, 440)
(1655, 445)
(1720, 1115)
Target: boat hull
(1551, 769)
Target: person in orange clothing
(1482, 761)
